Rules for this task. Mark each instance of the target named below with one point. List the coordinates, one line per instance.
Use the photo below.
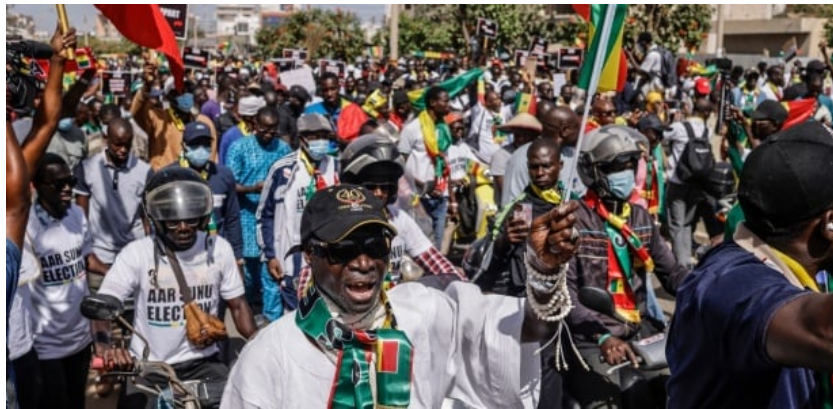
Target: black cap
(786, 179)
(651, 121)
(815, 67)
(194, 131)
(300, 92)
(400, 97)
(772, 110)
(337, 211)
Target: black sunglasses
(387, 187)
(345, 251)
(58, 184)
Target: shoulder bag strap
(184, 290)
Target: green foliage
(816, 10)
(324, 33)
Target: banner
(569, 58)
(295, 54)
(522, 55)
(195, 58)
(302, 76)
(286, 64)
(116, 83)
(487, 28)
(538, 45)
(338, 68)
(177, 16)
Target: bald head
(561, 124)
(703, 107)
(544, 106)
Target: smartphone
(524, 212)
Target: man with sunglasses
(603, 113)
(619, 249)
(249, 160)
(354, 343)
(109, 190)
(58, 248)
(290, 184)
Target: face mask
(621, 184)
(198, 156)
(318, 149)
(65, 124)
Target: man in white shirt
(773, 88)
(485, 135)
(651, 66)
(682, 199)
(414, 345)
(179, 204)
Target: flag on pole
(145, 25)
(454, 86)
(615, 68)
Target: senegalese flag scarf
(317, 181)
(356, 349)
(437, 140)
(823, 284)
(654, 192)
(620, 262)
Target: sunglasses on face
(387, 187)
(345, 251)
(59, 184)
(174, 224)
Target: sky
(45, 15)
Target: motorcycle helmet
(177, 193)
(372, 158)
(604, 147)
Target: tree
(816, 10)
(324, 33)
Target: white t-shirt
(677, 138)
(211, 272)
(60, 248)
(411, 139)
(459, 156)
(467, 346)
(409, 238)
(21, 323)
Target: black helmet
(177, 193)
(605, 146)
(370, 157)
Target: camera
(24, 76)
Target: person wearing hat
(753, 322)
(164, 126)
(702, 88)
(748, 95)
(652, 190)
(620, 250)
(345, 116)
(289, 185)
(524, 128)
(355, 343)
(247, 108)
(811, 86)
(225, 217)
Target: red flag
(798, 111)
(145, 25)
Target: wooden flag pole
(62, 18)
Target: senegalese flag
(481, 91)
(433, 55)
(454, 86)
(374, 52)
(526, 102)
(615, 68)
(799, 111)
(225, 47)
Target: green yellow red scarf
(654, 192)
(620, 271)
(356, 350)
(438, 139)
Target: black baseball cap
(771, 110)
(786, 179)
(194, 131)
(337, 211)
(651, 121)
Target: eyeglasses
(387, 187)
(174, 224)
(606, 113)
(58, 184)
(345, 251)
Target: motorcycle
(178, 394)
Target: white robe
(466, 347)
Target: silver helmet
(603, 147)
(177, 193)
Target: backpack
(696, 162)
(668, 75)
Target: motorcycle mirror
(597, 300)
(101, 307)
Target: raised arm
(49, 112)
(801, 333)
(17, 189)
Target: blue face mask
(621, 184)
(65, 124)
(318, 149)
(198, 156)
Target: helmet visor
(181, 200)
